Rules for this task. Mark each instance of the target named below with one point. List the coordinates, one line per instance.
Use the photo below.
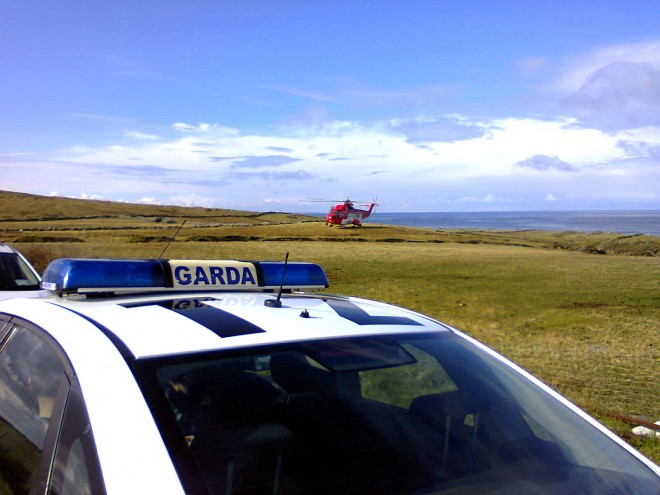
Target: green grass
(587, 324)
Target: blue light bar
(82, 275)
(299, 275)
(115, 275)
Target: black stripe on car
(220, 322)
(354, 313)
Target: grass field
(580, 311)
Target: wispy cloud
(140, 136)
(639, 148)
(488, 198)
(262, 161)
(359, 94)
(544, 162)
(279, 149)
(429, 129)
(277, 175)
(575, 72)
(620, 95)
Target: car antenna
(277, 303)
(172, 239)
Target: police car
(205, 377)
(18, 278)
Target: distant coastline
(620, 221)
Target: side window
(31, 374)
(393, 385)
(4, 329)
(76, 470)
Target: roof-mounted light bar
(116, 275)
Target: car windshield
(15, 274)
(431, 413)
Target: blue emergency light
(68, 275)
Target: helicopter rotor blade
(374, 202)
(347, 200)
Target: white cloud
(611, 88)
(574, 74)
(488, 198)
(204, 129)
(148, 201)
(213, 165)
(183, 127)
(194, 200)
(620, 95)
(424, 129)
(84, 195)
(262, 161)
(544, 162)
(140, 136)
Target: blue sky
(261, 105)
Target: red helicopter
(346, 214)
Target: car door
(42, 417)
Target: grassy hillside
(26, 218)
(580, 311)
(20, 207)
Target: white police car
(18, 278)
(205, 377)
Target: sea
(623, 222)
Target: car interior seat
(238, 444)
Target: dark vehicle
(18, 278)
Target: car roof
(178, 323)
(179, 319)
